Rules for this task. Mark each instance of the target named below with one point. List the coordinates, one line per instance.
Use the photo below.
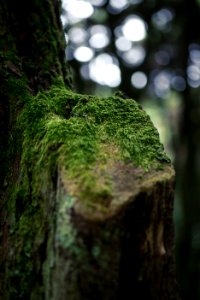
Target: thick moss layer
(84, 135)
(55, 129)
(78, 131)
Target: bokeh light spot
(77, 35)
(105, 71)
(134, 28)
(162, 83)
(83, 54)
(78, 8)
(135, 56)
(117, 6)
(139, 80)
(178, 83)
(193, 74)
(122, 44)
(162, 18)
(99, 36)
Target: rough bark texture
(86, 188)
(120, 250)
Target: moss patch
(84, 136)
(80, 132)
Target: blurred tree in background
(150, 50)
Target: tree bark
(86, 188)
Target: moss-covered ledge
(94, 181)
(81, 132)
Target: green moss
(80, 132)
(27, 234)
(83, 136)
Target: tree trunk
(188, 165)
(86, 188)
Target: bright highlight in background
(139, 80)
(83, 54)
(85, 45)
(99, 36)
(134, 29)
(78, 8)
(123, 44)
(104, 71)
(118, 4)
(135, 56)
(77, 35)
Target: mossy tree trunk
(86, 188)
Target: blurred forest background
(150, 51)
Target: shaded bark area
(123, 253)
(147, 246)
(57, 243)
(37, 33)
(32, 56)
